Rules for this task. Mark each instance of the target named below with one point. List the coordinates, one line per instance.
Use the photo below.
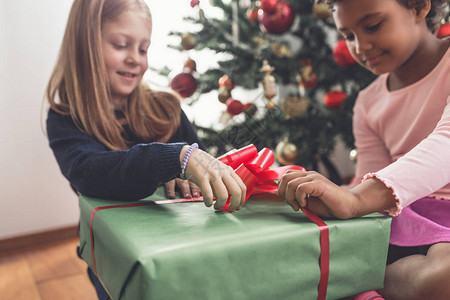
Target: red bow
(253, 168)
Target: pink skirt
(424, 222)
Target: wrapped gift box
(263, 251)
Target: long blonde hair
(79, 86)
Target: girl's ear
(422, 8)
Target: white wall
(34, 196)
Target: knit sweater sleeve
(93, 170)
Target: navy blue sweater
(94, 170)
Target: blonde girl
(112, 135)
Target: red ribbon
(253, 168)
(235, 157)
(324, 252)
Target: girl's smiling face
(125, 42)
(382, 35)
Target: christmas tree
(292, 53)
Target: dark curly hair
(434, 16)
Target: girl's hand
(315, 191)
(215, 179)
(188, 189)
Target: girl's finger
(220, 192)
(301, 197)
(195, 190)
(294, 187)
(184, 187)
(234, 191)
(286, 178)
(207, 193)
(170, 189)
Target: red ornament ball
(234, 107)
(444, 30)
(184, 84)
(342, 55)
(268, 6)
(194, 3)
(279, 21)
(334, 99)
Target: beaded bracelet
(186, 159)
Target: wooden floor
(50, 271)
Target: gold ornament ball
(286, 153)
(224, 94)
(188, 41)
(281, 50)
(321, 11)
(295, 107)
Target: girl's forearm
(372, 195)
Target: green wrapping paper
(263, 251)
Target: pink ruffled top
(403, 136)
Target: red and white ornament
(225, 87)
(190, 65)
(334, 99)
(278, 21)
(342, 55)
(225, 81)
